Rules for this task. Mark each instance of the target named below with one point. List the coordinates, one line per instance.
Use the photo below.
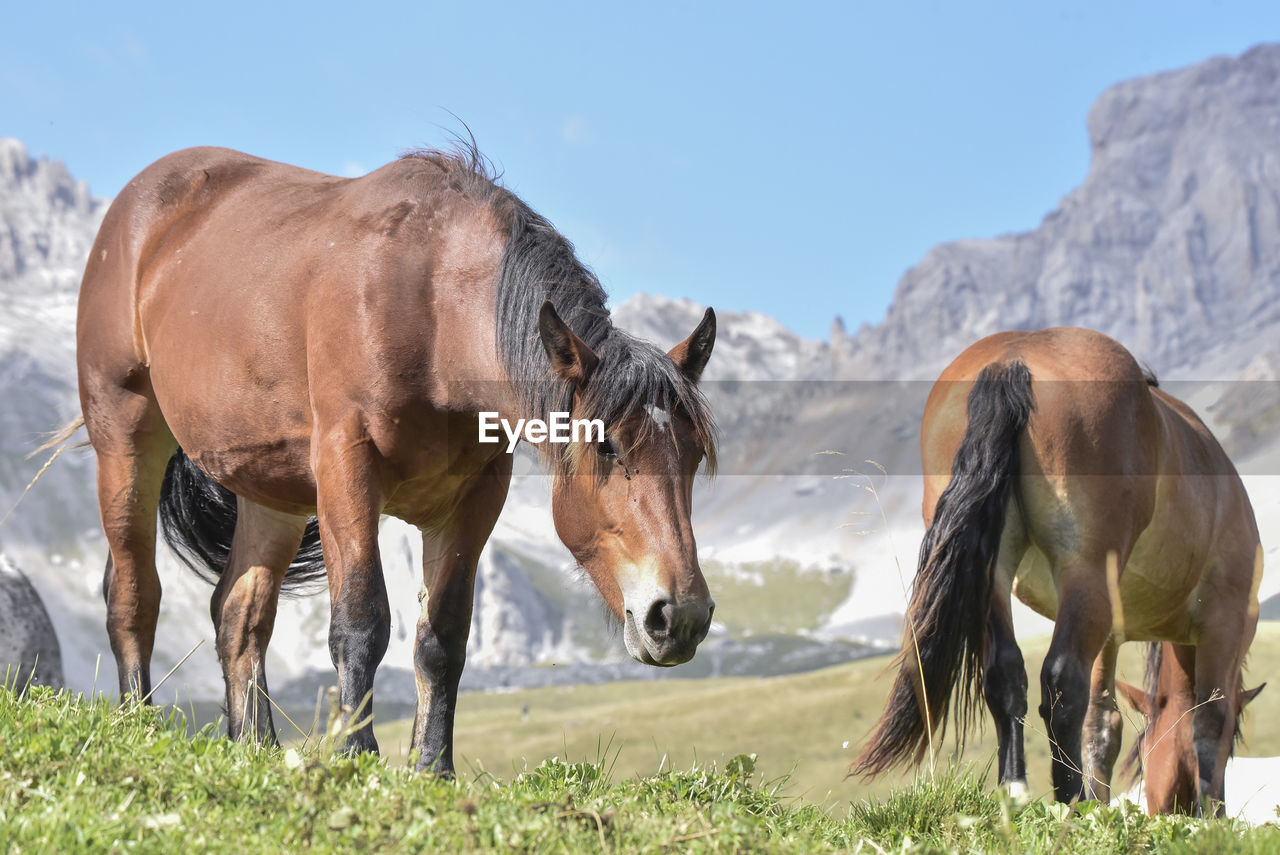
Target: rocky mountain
(47, 224)
(808, 536)
(1169, 244)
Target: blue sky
(791, 160)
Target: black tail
(198, 520)
(951, 595)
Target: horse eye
(605, 450)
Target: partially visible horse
(258, 343)
(1047, 456)
(1164, 755)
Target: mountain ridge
(1182, 188)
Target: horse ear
(1136, 697)
(570, 356)
(691, 355)
(1249, 694)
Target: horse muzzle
(659, 630)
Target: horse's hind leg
(1004, 684)
(133, 446)
(349, 503)
(244, 612)
(1102, 725)
(1081, 629)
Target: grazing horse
(1047, 457)
(258, 343)
(1164, 755)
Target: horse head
(1165, 754)
(622, 502)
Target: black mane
(1151, 685)
(539, 264)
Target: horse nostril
(658, 621)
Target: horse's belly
(249, 442)
(427, 501)
(1159, 588)
(276, 475)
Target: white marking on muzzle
(640, 589)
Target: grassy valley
(804, 728)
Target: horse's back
(1087, 389)
(258, 303)
(159, 214)
(1055, 353)
(204, 231)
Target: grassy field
(86, 776)
(804, 727)
(748, 601)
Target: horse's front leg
(449, 561)
(349, 503)
(1224, 638)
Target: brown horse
(1164, 755)
(324, 346)
(1047, 456)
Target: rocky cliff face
(1171, 244)
(47, 223)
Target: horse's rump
(945, 636)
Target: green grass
(85, 776)
(585, 773)
(748, 600)
(807, 727)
